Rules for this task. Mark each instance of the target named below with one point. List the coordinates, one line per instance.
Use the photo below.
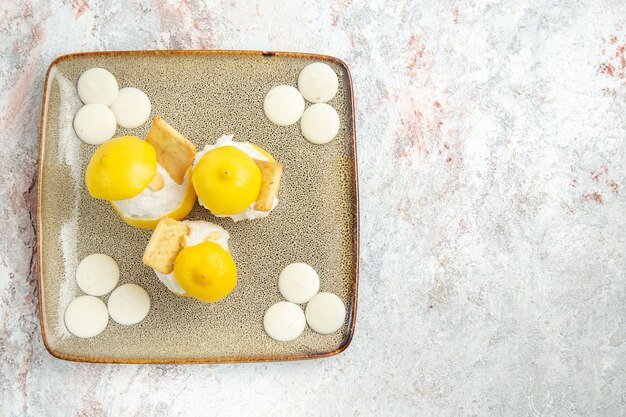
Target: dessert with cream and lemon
(239, 180)
(191, 259)
(154, 183)
(145, 180)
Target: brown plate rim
(240, 359)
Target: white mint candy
(131, 108)
(86, 316)
(298, 282)
(97, 274)
(129, 304)
(284, 321)
(283, 105)
(320, 123)
(318, 82)
(97, 85)
(325, 313)
(94, 123)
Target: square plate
(203, 94)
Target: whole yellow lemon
(226, 180)
(121, 168)
(205, 271)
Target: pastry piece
(157, 182)
(174, 152)
(270, 182)
(166, 242)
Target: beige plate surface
(203, 94)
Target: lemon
(178, 213)
(226, 180)
(121, 168)
(205, 271)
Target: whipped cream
(150, 204)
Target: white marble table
(492, 158)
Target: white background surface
(492, 162)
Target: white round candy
(97, 274)
(129, 304)
(298, 282)
(86, 316)
(320, 123)
(97, 85)
(325, 313)
(318, 82)
(131, 108)
(284, 321)
(283, 105)
(94, 123)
